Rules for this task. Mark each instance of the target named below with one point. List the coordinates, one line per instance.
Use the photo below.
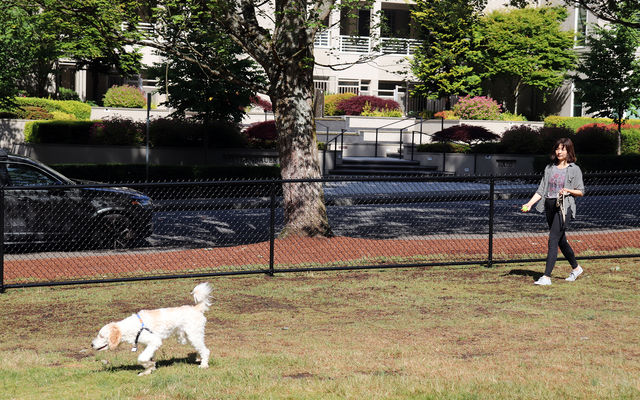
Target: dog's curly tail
(202, 296)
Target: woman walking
(561, 183)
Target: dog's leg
(149, 367)
(197, 341)
(144, 359)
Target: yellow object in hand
(525, 208)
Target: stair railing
(335, 153)
(387, 125)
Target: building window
(581, 27)
(577, 105)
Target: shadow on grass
(134, 366)
(525, 272)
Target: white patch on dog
(151, 327)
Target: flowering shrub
(331, 103)
(479, 107)
(356, 104)
(465, 133)
(446, 114)
(33, 112)
(124, 96)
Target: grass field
(437, 333)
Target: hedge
(163, 132)
(80, 110)
(596, 162)
(574, 123)
(122, 173)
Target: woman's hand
(571, 192)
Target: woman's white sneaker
(544, 281)
(574, 274)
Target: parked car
(37, 211)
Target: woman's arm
(572, 192)
(526, 207)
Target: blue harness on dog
(142, 328)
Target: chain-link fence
(67, 234)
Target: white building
(385, 48)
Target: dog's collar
(142, 328)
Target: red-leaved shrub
(354, 105)
(262, 103)
(262, 130)
(465, 133)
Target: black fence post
(492, 185)
(2, 242)
(375, 154)
(400, 150)
(272, 227)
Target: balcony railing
(355, 44)
(398, 45)
(322, 39)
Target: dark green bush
(117, 131)
(521, 139)
(550, 135)
(442, 147)
(67, 94)
(596, 139)
(67, 132)
(488, 148)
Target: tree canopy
(525, 47)
(608, 75)
(442, 61)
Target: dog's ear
(114, 337)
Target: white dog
(150, 327)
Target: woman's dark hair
(568, 145)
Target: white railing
(322, 39)
(355, 44)
(398, 45)
(321, 85)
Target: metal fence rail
(61, 235)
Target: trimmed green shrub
(479, 107)
(507, 116)
(125, 96)
(631, 140)
(331, 103)
(67, 94)
(574, 123)
(81, 110)
(442, 147)
(67, 132)
(521, 139)
(596, 139)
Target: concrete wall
(476, 164)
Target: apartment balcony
(366, 44)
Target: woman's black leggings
(557, 237)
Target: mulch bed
(298, 252)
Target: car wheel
(117, 232)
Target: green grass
(427, 333)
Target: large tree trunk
(304, 208)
